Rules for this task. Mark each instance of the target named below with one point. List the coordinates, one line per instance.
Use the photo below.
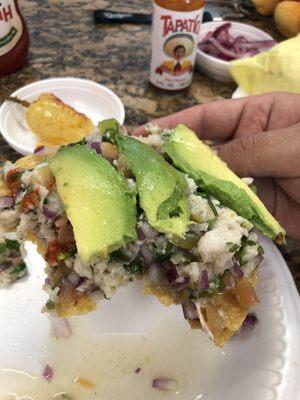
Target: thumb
(273, 154)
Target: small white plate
(262, 364)
(95, 100)
(219, 69)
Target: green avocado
(213, 176)
(97, 201)
(162, 189)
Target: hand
(259, 137)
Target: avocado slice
(162, 189)
(214, 177)
(97, 201)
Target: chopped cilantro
(212, 206)
(250, 242)
(260, 250)
(64, 255)
(170, 207)
(232, 247)
(218, 287)
(12, 244)
(120, 255)
(209, 200)
(211, 223)
(18, 268)
(166, 255)
(134, 267)
(50, 305)
(2, 247)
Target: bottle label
(11, 27)
(174, 45)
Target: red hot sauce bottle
(14, 38)
(175, 34)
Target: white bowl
(219, 69)
(94, 100)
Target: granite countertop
(66, 42)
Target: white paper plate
(89, 97)
(260, 365)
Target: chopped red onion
(181, 282)
(140, 234)
(172, 273)
(138, 370)
(236, 268)
(260, 258)
(154, 273)
(43, 151)
(48, 373)
(96, 146)
(81, 285)
(148, 231)
(74, 278)
(49, 213)
(39, 149)
(165, 384)
(250, 321)
(147, 254)
(61, 328)
(204, 283)
(48, 281)
(6, 201)
(189, 310)
(223, 45)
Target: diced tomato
(13, 179)
(52, 253)
(31, 200)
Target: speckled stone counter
(66, 42)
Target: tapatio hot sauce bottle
(14, 38)
(175, 32)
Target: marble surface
(66, 42)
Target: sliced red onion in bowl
(96, 146)
(221, 29)
(61, 328)
(250, 321)
(6, 202)
(189, 310)
(221, 44)
(49, 213)
(204, 283)
(48, 373)
(165, 384)
(237, 268)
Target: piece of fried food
(56, 123)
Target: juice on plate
(175, 33)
